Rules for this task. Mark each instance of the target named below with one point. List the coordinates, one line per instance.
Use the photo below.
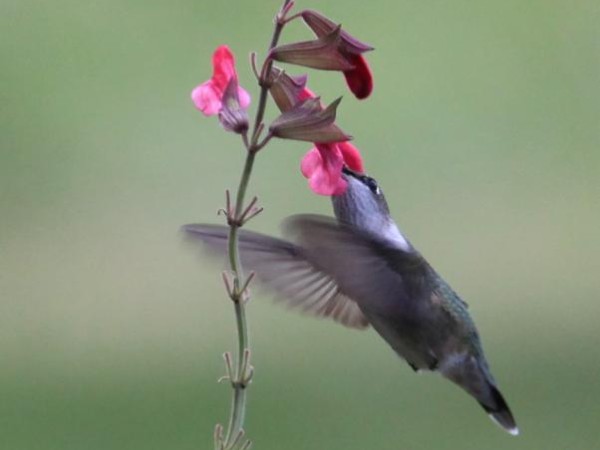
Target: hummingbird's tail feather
(500, 412)
(472, 374)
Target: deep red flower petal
(359, 79)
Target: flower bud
(287, 90)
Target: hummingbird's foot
(433, 366)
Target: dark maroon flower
(359, 78)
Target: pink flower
(322, 165)
(208, 97)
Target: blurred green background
(483, 129)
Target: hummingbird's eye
(372, 185)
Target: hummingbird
(360, 270)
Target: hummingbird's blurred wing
(283, 267)
(365, 267)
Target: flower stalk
(237, 288)
(302, 118)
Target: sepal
(309, 121)
(287, 90)
(322, 26)
(232, 116)
(322, 53)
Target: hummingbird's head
(363, 206)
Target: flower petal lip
(208, 96)
(322, 165)
(322, 53)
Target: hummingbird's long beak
(347, 171)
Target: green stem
(238, 407)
